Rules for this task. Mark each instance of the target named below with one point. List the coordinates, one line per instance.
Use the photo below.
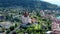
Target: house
(1, 31)
(42, 13)
(6, 24)
(1, 17)
(56, 26)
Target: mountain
(30, 4)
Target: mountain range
(29, 4)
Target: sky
(57, 2)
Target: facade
(42, 13)
(6, 24)
(56, 26)
(1, 17)
(3, 33)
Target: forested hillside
(29, 4)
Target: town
(10, 21)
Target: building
(1, 17)
(1, 31)
(42, 13)
(6, 24)
(56, 26)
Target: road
(14, 29)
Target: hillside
(30, 4)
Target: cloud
(53, 1)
